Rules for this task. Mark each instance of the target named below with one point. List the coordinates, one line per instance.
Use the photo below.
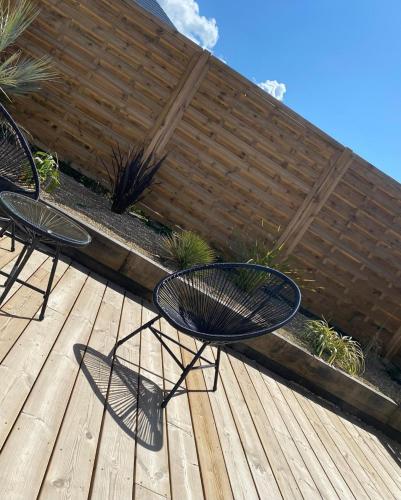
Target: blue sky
(340, 61)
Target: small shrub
(130, 175)
(333, 347)
(267, 254)
(187, 249)
(48, 170)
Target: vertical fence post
(171, 115)
(315, 200)
(394, 345)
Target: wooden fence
(236, 156)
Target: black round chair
(40, 225)
(221, 304)
(18, 172)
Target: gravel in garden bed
(94, 208)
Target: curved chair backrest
(227, 302)
(18, 172)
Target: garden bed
(94, 208)
(129, 248)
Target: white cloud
(274, 88)
(185, 15)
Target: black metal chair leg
(146, 325)
(17, 270)
(3, 231)
(216, 369)
(49, 284)
(188, 368)
(12, 236)
(17, 263)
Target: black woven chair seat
(17, 167)
(222, 303)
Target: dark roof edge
(154, 8)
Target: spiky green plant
(19, 74)
(337, 349)
(269, 254)
(187, 249)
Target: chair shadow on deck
(34, 316)
(132, 400)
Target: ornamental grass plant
(19, 74)
(130, 176)
(336, 349)
(187, 249)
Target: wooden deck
(74, 424)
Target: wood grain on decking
(76, 422)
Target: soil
(146, 236)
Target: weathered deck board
(238, 469)
(185, 475)
(38, 424)
(278, 463)
(215, 478)
(77, 423)
(70, 468)
(298, 468)
(355, 458)
(114, 473)
(353, 485)
(152, 465)
(260, 466)
(317, 445)
(21, 367)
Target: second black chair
(18, 172)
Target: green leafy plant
(47, 167)
(266, 253)
(130, 175)
(337, 349)
(187, 249)
(19, 74)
